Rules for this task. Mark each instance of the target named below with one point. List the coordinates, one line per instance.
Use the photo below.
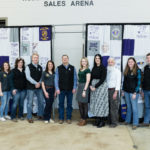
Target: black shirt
(5, 81)
(98, 72)
(146, 78)
(48, 78)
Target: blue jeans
(49, 103)
(147, 106)
(62, 96)
(40, 99)
(5, 103)
(132, 108)
(18, 98)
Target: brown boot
(83, 123)
(30, 121)
(79, 121)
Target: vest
(66, 77)
(146, 79)
(35, 73)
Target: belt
(111, 88)
(48, 87)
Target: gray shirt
(48, 79)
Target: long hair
(53, 69)
(17, 61)
(8, 66)
(87, 66)
(135, 67)
(100, 57)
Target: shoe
(83, 123)
(40, 118)
(101, 124)
(69, 121)
(126, 123)
(2, 119)
(52, 121)
(144, 125)
(134, 127)
(8, 117)
(30, 121)
(14, 120)
(79, 121)
(46, 122)
(113, 125)
(61, 121)
(21, 118)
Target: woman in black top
(5, 93)
(131, 86)
(48, 89)
(99, 92)
(18, 88)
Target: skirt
(99, 105)
(79, 97)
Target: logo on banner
(115, 33)
(45, 34)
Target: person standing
(33, 75)
(66, 84)
(146, 91)
(18, 87)
(131, 87)
(99, 106)
(83, 90)
(113, 83)
(48, 90)
(5, 92)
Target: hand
(92, 88)
(73, 91)
(37, 85)
(122, 93)
(58, 92)
(134, 96)
(115, 95)
(1, 93)
(84, 94)
(46, 95)
(142, 94)
(14, 92)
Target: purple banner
(3, 59)
(44, 34)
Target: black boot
(101, 123)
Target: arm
(1, 93)
(56, 80)
(118, 83)
(11, 81)
(28, 76)
(139, 81)
(44, 90)
(103, 77)
(75, 79)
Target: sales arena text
(72, 3)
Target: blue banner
(44, 34)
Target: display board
(120, 41)
(9, 45)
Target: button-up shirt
(114, 78)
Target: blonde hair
(87, 66)
(35, 54)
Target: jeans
(40, 99)
(147, 106)
(49, 102)
(132, 108)
(62, 96)
(19, 97)
(5, 103)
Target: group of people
(97, 92)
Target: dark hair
(148, 54)
(8, 66)
(100, 57)
(46, 69)
(17, 61)
(135, 68)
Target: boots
(82, 123)
(101, 123)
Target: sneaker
(7, 117)
(2, 119)
(21, 118)
(46, 122)
(113, 125)
(52, 121)
(69, 121)
(134, 127)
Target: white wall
(31, 13)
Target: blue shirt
(57, 78)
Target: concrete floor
(40, 136)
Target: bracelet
(84, 90)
